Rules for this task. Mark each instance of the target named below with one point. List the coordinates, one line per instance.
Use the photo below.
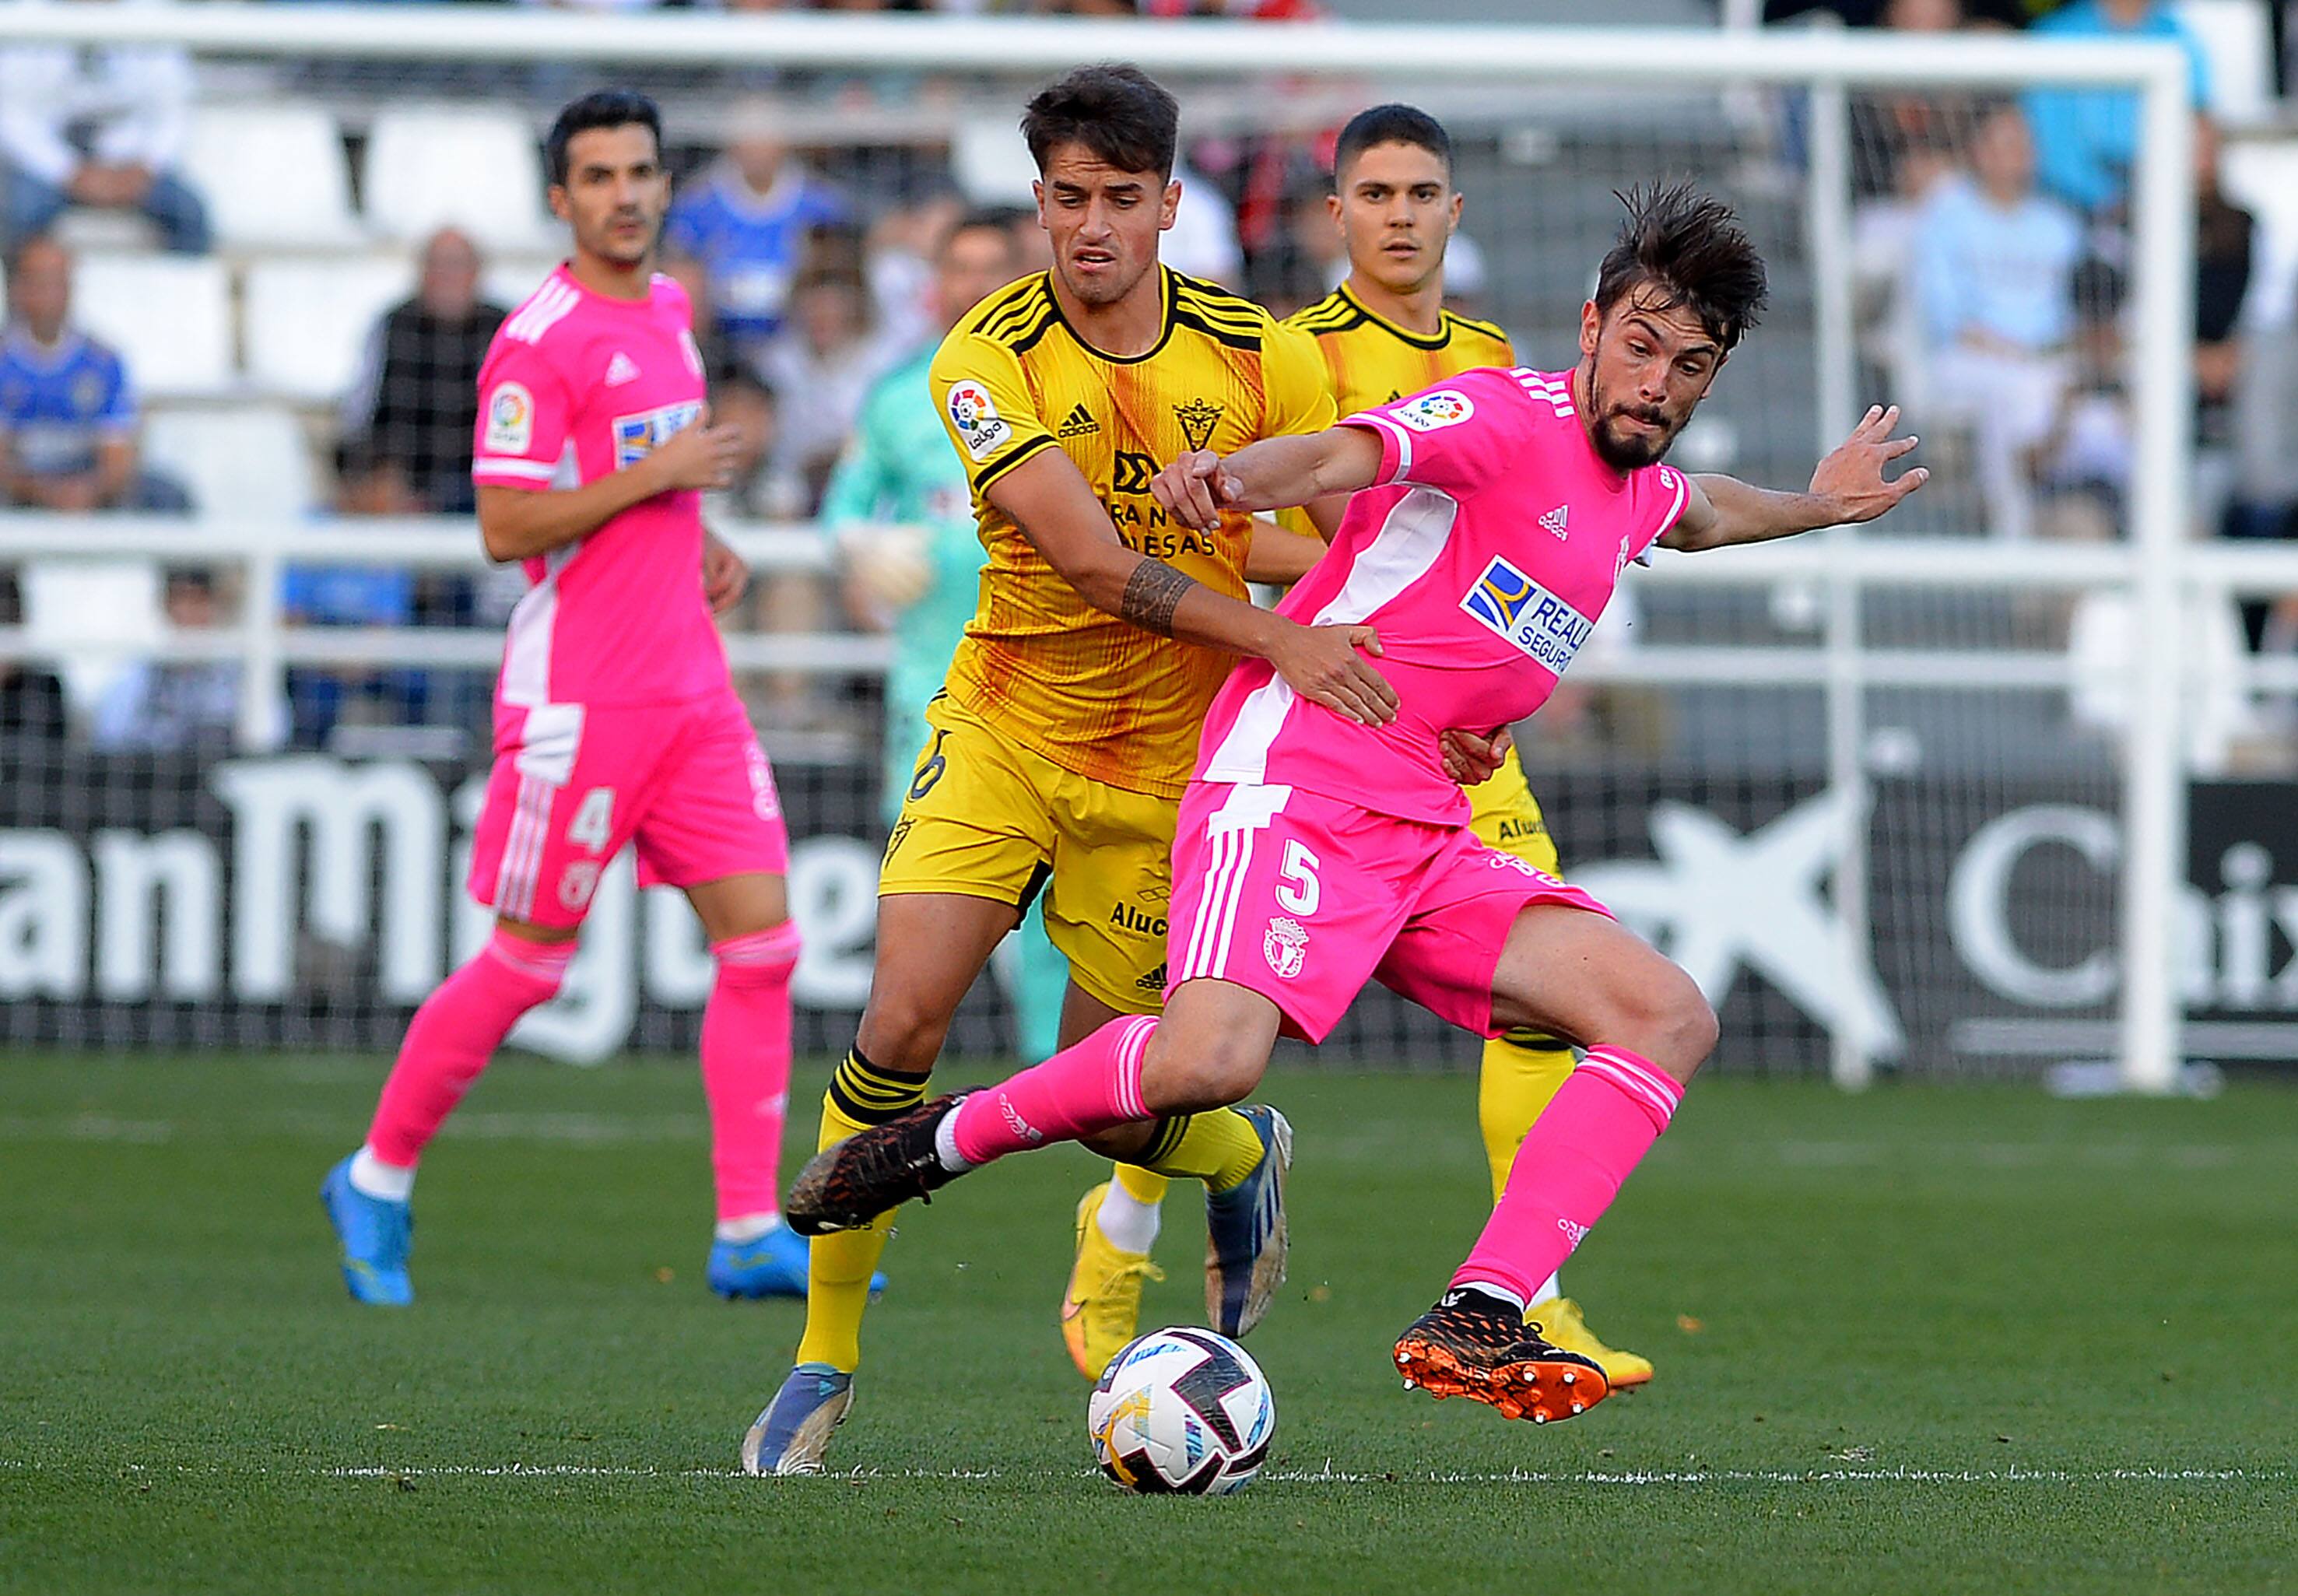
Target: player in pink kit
(616, 721)
(1492, 518)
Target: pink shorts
(573, 783)
(1304, 899)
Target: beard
(1621, 449)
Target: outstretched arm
(1051, 501)
(1273, 473)
(1849, 487)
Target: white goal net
(1911, 799)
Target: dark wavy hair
(1681, 247)
(603, 108)
(1119, 112)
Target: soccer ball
(1182, 1410)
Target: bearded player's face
(615, 193)
(1104, 222)
(1647, 365)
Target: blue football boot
(376, 1236)
(792, 1434)
(772, 1266)
(1246, 1237)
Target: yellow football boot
(1101, 1310)
(1560, 1325)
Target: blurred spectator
(1202, 242)
(1902, 140)
(2086, 139)
(180, 705)
(740, 398)
(31, 697)
(408, 422)
(2224, 239)
(1033, 248)
(96, 127)
(1994, 286)
(67, 415)
(2084, 463)
(899, 261)
(736, 233)
(321, 699)
(822, 362)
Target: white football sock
(946, 1144)
(747, 1226)
(1550, 1292)
(1129, 1223)
(370, 1177)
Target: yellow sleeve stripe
(1220, 332)
(1473, 326)
(1005, 462)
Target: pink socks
(452, 1035)
(1091, 1087)
(1601, 1122)
(746, 1066)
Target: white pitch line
(1330, 1475)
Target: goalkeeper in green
(919, 582)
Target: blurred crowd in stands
(1992, 247)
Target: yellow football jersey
(1095, 694)
(1371, 361)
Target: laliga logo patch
(1284, 944)
(579, 882)
(1446, 407)
(510, 419)
(979, 427)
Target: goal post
(1662, 99)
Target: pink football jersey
(1482, 558)
(577, 386)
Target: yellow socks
(1522, 1070)
(1219, 1149)
(1143, 1185)
(840, 1266)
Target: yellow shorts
(1503, 813)
(985, 817)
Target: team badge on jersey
(1197, 419)
(639, 436)
(510, 419)
(1446, 407)
(976, 418)
(1532, 619)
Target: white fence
(2155, 572)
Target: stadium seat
(428, 167)
(2261, 177)
(246, 460)
(273, 175)
(167, 315)
(307, 321)
(92, 616)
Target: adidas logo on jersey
(1554, 519)
(621, 369)
(1078, 424)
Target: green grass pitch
(1930, 1340)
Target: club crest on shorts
(1285, 945)
(578, 884)
(1446, 407)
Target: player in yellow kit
(1060, 743)
(1384, 333)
